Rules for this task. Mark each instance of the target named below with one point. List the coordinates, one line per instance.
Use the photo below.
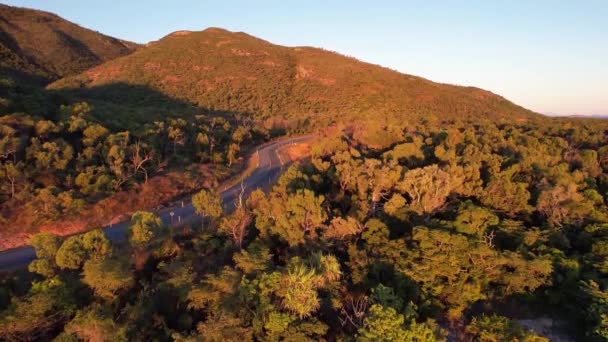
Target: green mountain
(225, 71)
(46, 47)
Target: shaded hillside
(44, 46)
(226, 71)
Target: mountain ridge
(44, 45)
(220, 70)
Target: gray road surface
(269, 168)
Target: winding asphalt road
(269, 168)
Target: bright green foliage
(385, 324)
(437, 263)
(108, 277)
(46, 245)
(277, 323)
(71, 254)
(145, 228)
(496, 328)
(95, 323)
(504, 194)
(207, 204)
(299, 292)
(291, 217)
(474, 220)
(75, 250)
(409, 153)
(428, 188)
(44, 267)
(327, 266)
(236, 225)
(97, 244)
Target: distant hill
(589, 116)
(43, 46)
(219, 70)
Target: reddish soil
(118, 207)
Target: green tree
(474, 220)
(144, 229)
(385, 324)
(108, 277)
(75, 250)
(292, 217)
(427, 188)
(12, 177)
(503, 194)
(299, 291)
(207, 204)
(494, 328)
(46, 246)
(235, 225)
(97, 244)
(95, 323)
(71, 254)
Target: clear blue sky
(549, 56)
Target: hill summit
(220, 70)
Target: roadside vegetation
(459, 231)
(425, 212)
(63, 169)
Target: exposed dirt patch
(297, 151)
(240, 52)
(269, 63)
(171, 79)
(326, 81)
(180, 33)
(197, 67)
(223, 42)
(303, 72)
(151, 66)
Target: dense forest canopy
(425, 212)
(441, 231)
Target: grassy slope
(221, 70)
(42, 44)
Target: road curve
(269, 167)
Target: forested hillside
(40, 46)
(300, 87)
(426, 211)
